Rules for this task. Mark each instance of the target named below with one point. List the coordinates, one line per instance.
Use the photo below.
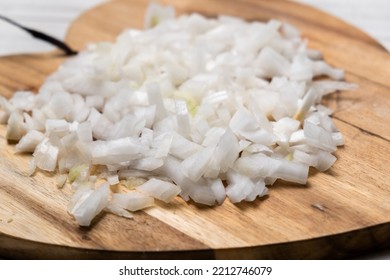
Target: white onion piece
(80, 110)
(213, 136)
(84, 132)
(101, 126)
(132, 201)
(29, 142)
(321, 68)
(155, 98)
(95, 101)
(147, 163)
(146, 113)
(227, 150)
(292, 172)
(305, 148)
(23, 100)
(259, 190)
(196, 165)
(243, 144)
(242, 188)
(115, 151)
(182, 148)
(305, 158)
(7, 108)
(146, 138)
(79, 197)
(155, 14)
(159, 189)
(183, 120)
(61, 104)
(132, 173)
(129, 125)
(219, 190)
(307, 102)
(284, 127)
(39, 120)
(272, 63)
(325, 160)
(245, 125)
(256, 165)
(88, 203)
(319, 137)
(259, 165)
(201, 191)
(338, 138)
(46, 155)
(16, 127)
(31, 167)
(58, 127)
(300, 69)
(162, 144)
(328, 86)
(119, 211)
(290, 31)
(61, 180)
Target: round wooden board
(340, 213)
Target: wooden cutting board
(338, 214)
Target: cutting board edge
(363, 242)
(369, 39)
(225, 252)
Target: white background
(281, 270)
(53, 17)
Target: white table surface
(53, 17)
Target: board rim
(207, 253)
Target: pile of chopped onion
(197, 107)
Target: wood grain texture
(354, 195)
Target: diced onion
(204, 108)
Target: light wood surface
(354, 195)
